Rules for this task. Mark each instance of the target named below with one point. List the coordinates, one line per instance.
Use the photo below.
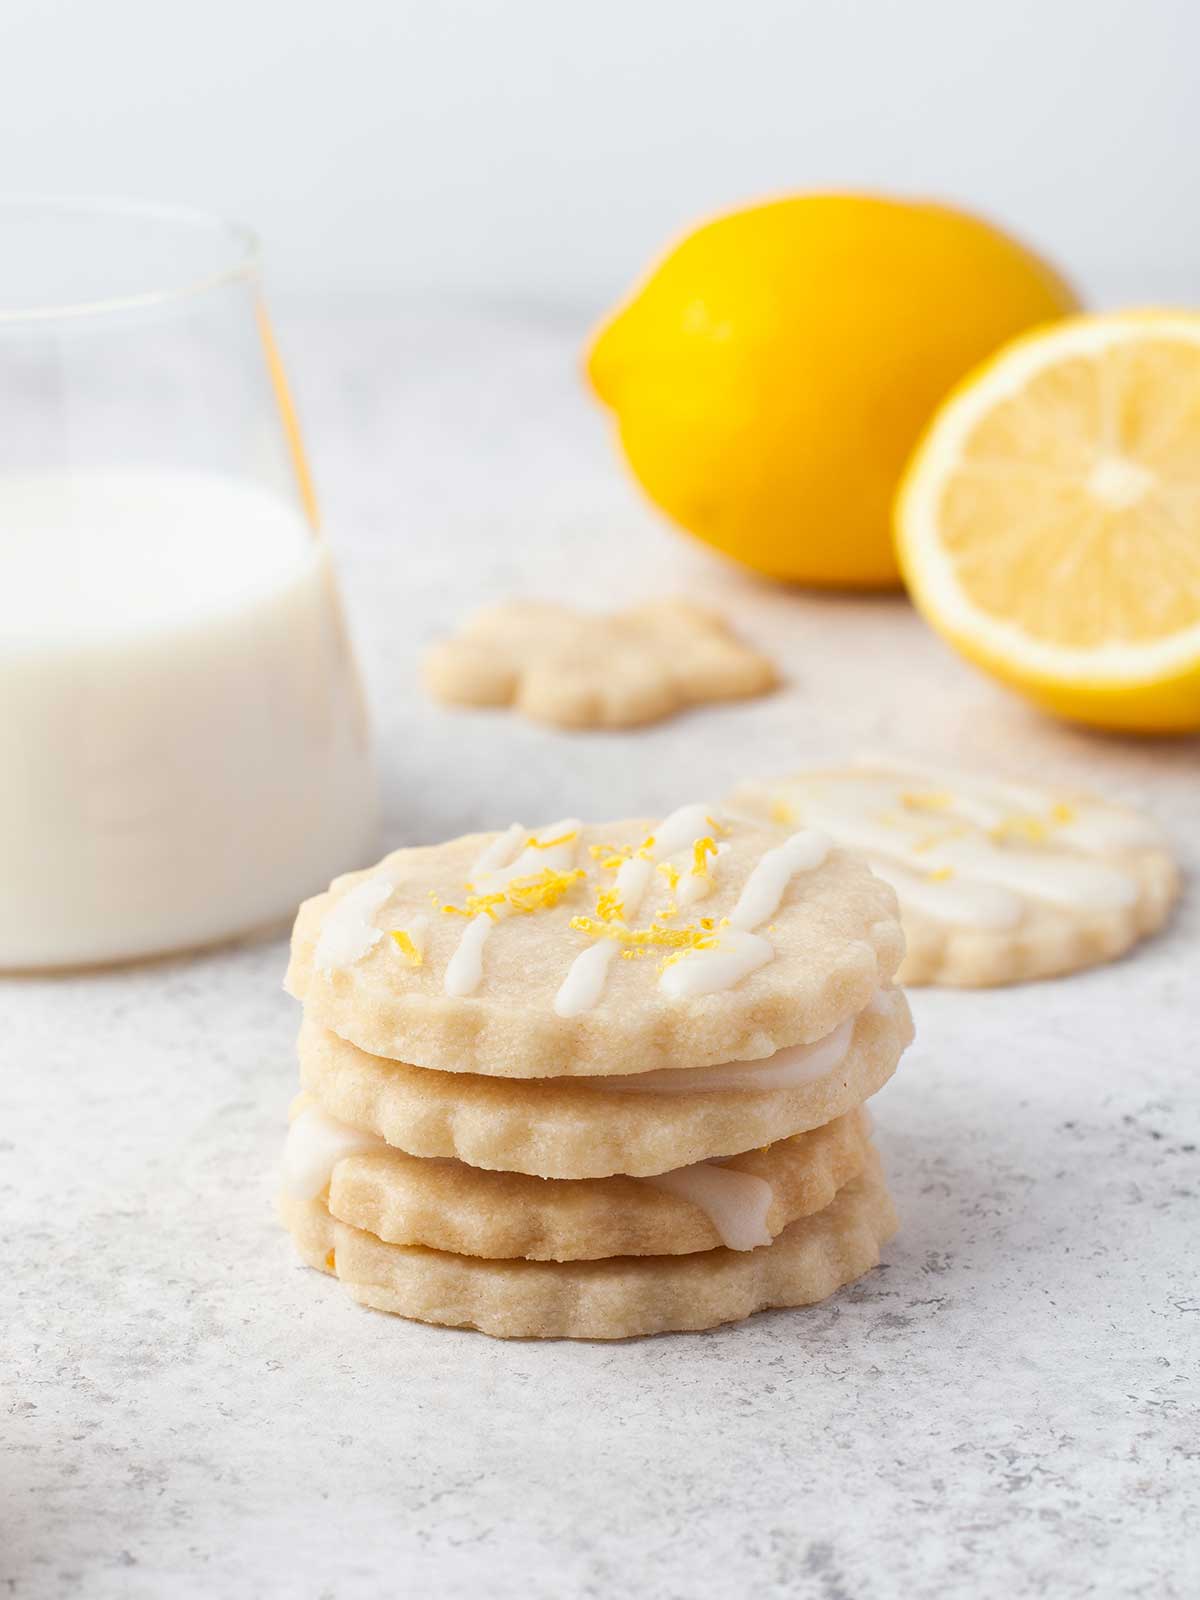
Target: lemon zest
(407, 947)
(539, 892)
(927, 800)
(717, 827)
(701, 850)
(670, 873)
(940, 874)
(1062, 812)
(1019, 825)
(653, 937)
(534, 843)
(331, 1261)
(942, 836)
(609, 906)
(610, 856)
(782, 812)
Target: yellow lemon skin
(1124, 563)
(1165, 707)
(770, 376)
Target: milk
(183, 745)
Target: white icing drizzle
(348, 933)
(698, 972)
(501, 850)
(738, 952)
(736, 1203)
(959, 856)
(694, 885)
(965, 905)
(633, 879)
(584, 982)
(316, 1142)
(775, 869)
(464, 970)
(1054, 876)
(531, 860)
(682, 828)
(500, 863)
(989, 801)
(786, 1069)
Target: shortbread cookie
(740, 1203)
(600, 949)
(997, 881)
(615, 1298)
(595, 1127)
(577, 669)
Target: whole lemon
(773, 372)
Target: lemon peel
(609, 906)
(610, 856)
(927, 800)
(534, 843)
(408, 947)
(1030, 830)
(701, 850)
(694, 937)
(539, 892)
(723, 323)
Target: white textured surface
(1008, 1408)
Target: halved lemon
(1049, 522)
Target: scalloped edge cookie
(447, 1205)
(618, 1298)
(1044, 939)
(469, 993)
(566, 1128)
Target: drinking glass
(184, 748)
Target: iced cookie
(597, 950)
(614, 1298)
(593, 1127)
(740, 1203)
(580, 670)
(997, 881)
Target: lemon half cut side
(1049, 521)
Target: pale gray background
(1009, 1408)
(542, 148)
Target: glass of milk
(184, 749)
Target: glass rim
(244, 262)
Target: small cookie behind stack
(582, 669)
(594, 1082)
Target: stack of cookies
(595, 1081)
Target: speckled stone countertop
(1008, 1407)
